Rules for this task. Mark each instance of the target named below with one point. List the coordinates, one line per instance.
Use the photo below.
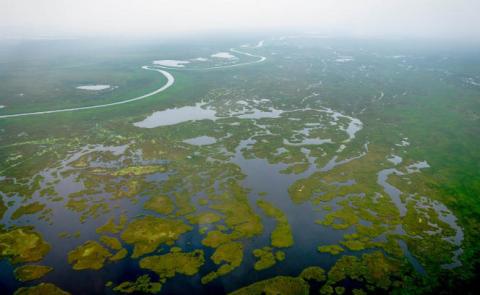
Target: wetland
(296, 165)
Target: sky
(455, 19)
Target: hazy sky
(395, 18)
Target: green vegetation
(314, 273)
(267, 258)
(204, 218)
(141, 285)
(286, 163)
(90, 255)
(31, 272)
(111, 227)
(230, 254)
(282, 234)
(111, 242)
(22, 245)
(379, 272)
(278, 285)
(215, 238)
(122, 253)
(139, 170)
(31, 208)
(147, 233)
(41, 289)
(3, 208)
(332, 249)
(168, 265)
(159, 204)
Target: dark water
(261, 177)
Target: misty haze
(239, 147)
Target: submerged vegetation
(308, 173)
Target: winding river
(170, 81)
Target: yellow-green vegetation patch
(41, 289)
(280, 255)
(341, 219)
(356, 245)
(296, 168)
(282, 234)
(358, 292)
(267, 258)
(215, 238)
(90, 255)
(119, 255)
(204, 218)
(332, 249)
(231, 254)
(111, 227)
(184, 203)
(374, 268)
(302, 190)
(147, 233)
(22, 245)
(31, 272)
(31, 208)
(143, 285)
(326, 290)
(167, 265)
(159, 204)
(339, 290)
(239, 216)
(140, 170)
(203, 201)
(77, 205)
(66, 235)
(95, 210)
(3, 208)
(111, 242)
(313, 273)
(278, 285)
